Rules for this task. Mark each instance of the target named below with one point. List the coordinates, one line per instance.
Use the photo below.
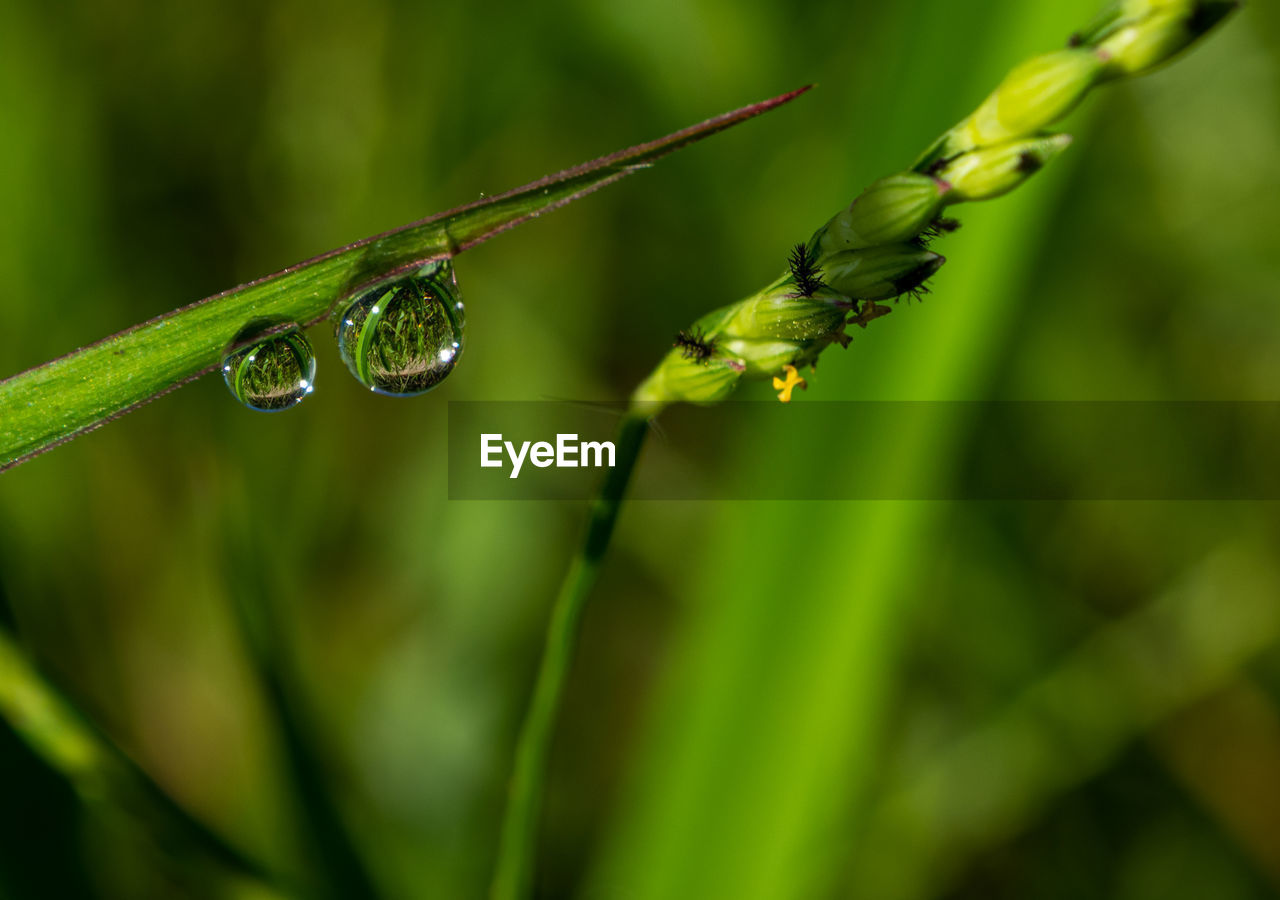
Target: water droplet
(270, 372)
(403, 336)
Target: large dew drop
(403, 336)
(272, 372)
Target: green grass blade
(940, 813)
(336, 867)
(98, 771)
(62, 399)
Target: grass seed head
(681, 380)
(877, 248)
(995, 171)
(1154, 39)
(778, 314)
(881, 273)
(893, 210)
(1031, 98)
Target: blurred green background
(880, 700)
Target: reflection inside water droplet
(404, 336)
(272, 372)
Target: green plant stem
(513, 876)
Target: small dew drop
(404, 336)
(273, 372)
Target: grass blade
(62, 399)
(99, 772)
(336, 866)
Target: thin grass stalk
(513, 877)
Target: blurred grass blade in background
(1064, 728)
(57, 401)
(336, 867)
(104, 778)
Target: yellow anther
(784, 387)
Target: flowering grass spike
(875, 249)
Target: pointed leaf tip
(477, 222)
